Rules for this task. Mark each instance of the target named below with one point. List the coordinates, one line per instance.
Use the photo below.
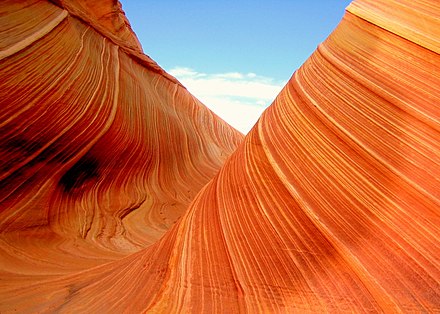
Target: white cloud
(230, 75)
(185, 72)
(239, 98)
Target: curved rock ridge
(105, 16)
(101, 153)
(331, 203)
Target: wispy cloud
(239, 98)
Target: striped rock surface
(331, 203)
(102, 151)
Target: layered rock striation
(330, 204)
(102, 151)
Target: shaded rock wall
(100, 152)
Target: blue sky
(234, 56)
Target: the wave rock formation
(121, 192)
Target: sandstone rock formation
(102, 151)
(330, 204)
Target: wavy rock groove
(122, 193)
(101, 150)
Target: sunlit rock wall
(331, 204)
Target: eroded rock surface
(331, 203)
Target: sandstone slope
(102, 151)
(331, 203)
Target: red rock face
(331, 203)
(101, 150)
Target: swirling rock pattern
(331, 203)
(102, 151)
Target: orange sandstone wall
(101, 150)
(331, 203)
